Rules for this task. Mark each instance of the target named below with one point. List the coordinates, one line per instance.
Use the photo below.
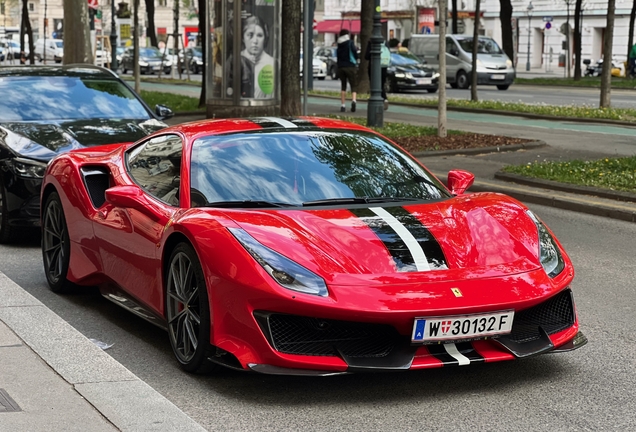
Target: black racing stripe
(428, 243)
(440, 354)
(267, 123)
(301, 122)
(397, 248)
(466, 349)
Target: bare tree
(577, 39)
(606, 76)
(441, 102)
(473, 86)
(290, 59)
(150, 29)
(568, 51)
(204, 33)
(26, 30)
(454, 16)
(630, 36)
(505, 16)
(136, 45)
(366, 27)
(77, 42)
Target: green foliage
(609, 173)
(397, 130)
(176, 103)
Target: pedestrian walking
(385, 61)
(347, 68)
(632, 62)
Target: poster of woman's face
(258, 67)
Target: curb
(564, 187)
(480, 150)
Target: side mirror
(125, 196)
(459, 181)
(163, 112)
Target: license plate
(316, 71)
(423, 81)
(156, 67)
(462, 327)
(498, 77)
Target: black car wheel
(7, 232)
(462, 80)
(188, 310)
(56, 248)
(333, 73)
(503, 86)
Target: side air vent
(96, 180)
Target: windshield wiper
(358, 200)
(248, 204)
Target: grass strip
(397, 130)
(177, 103)
(593, 82)
(610, 173)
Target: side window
(156, 166)
(451, 48)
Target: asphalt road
(593, 388)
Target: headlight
(399, 75)
(27, 168)
(323, 65)
(143, 63)
(408, 75)
(549, 253)
(435, 75)
(509, 63)
(286, 272)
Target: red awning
(334, 26)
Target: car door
(129, 237)
(453, 62)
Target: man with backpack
(347, 68)
(385, 62)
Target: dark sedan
(407, 72)
(48, 110)
(150, 61)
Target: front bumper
(494, 77)
(22, 198)
(417, 83)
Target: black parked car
(150, 61)
(47, 110)
(407, 72)
(193, 60)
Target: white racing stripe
(280, 121)
(421, 263)
(451, 349)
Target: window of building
(163, 3)
(31, 7)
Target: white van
(54, 50)
(493, 65)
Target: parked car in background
(407, 72)
(2, 55)
(120, 54)
(11, 49)
(319, 68)
(150, 61)
(49, 49)
(193, 60)
(330, 56)
(306, 246)
(48, 110)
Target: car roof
(73, 70)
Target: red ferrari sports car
(305, 246)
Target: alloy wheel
(54, 242)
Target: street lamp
(113, 37)
(529, 12)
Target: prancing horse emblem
(457, 292)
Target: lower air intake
(554, 315)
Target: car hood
(484, 235)
(42, 141)
(414, 68)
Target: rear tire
(188, 311)
(453, 85)
(503, 86)
(56, 247)
(432, 90)
(462, 80)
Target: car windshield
(404, 59)
(149, 52)
(33, 98)
(59, 44)
(301, 167)
(484, 46)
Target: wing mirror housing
(130, 197)
(163, 112)
(459, 181)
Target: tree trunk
(204, 37)
(290, 59)
(175, 35)
(577, 40)
(151, 32)
(630, 36)
(473, 86)
(606, 77)
(366, 28)
(441, 103)
(505, 16)
(136, 45)
(454, 15)
(77, 35)
(26, 30)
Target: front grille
(319, 337)
(554, 315)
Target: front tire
(188, 310)
(56, 248)
(462, 80)
(503, 86)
